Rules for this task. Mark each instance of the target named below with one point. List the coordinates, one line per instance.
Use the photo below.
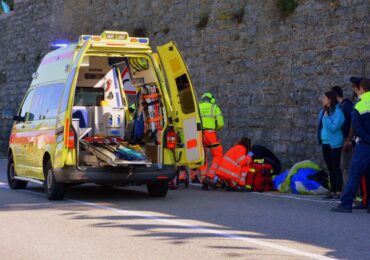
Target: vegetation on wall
(236, 16)
(287, 7)
(140, 32)
(2, 77)
(203, 21)
(334, 3)
(165, 30)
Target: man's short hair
(365, 84)
(338, 90)
(356, 81)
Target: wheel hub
(12, 171)
(49, 180)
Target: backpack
(261, 153)
(259, 177)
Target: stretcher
(107, 152)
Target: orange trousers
(212, 145)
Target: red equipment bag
(259, 177)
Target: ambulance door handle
(23, 126)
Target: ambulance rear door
(185, 117)
(62, 153)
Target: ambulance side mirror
(9, 113)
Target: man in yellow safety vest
(212, 121)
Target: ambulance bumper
(115, 175)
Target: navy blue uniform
(361, 156)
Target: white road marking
(282, 196)
(258, 242)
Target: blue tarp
(299, 179)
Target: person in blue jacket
(330, 135)
(360, 165)
(347, 106)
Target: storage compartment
(102, 112)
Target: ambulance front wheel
(157, 189)
(13, 183)
(54, 190)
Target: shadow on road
(246, 215)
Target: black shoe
(330, 196)
(340, 208)
(209, 182)
(241, 189)
(359, 206)
(228, 188)
(204, 187)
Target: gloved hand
(249, 157)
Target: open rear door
(64, 117)
(185, 117)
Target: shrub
(203, 21)
(287, 7)
(166, 30)
(139, 32)
(238, 16)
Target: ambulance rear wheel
(13, 183)
(157, 189)
(53, 189)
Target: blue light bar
(141, 40)
(60, 44)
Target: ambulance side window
(45, 102)
(23, 112)
(185, 94)
(52, 98)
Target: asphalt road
(93, 223)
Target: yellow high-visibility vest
(211, 116)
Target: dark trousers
(365, 187)
(359, 166)
(332, 159)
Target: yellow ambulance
(74, 125)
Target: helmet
(210, 96)
(139, 63)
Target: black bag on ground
(261, 152)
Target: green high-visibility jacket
(211, 116)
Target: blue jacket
(347, 106)
(330, 128)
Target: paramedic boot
(172, 185)
(210, 182)
(341, 208)
(194, 176)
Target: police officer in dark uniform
(361, 157)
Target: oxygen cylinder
(110, 120)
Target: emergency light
(111, 36)
(60, 44)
